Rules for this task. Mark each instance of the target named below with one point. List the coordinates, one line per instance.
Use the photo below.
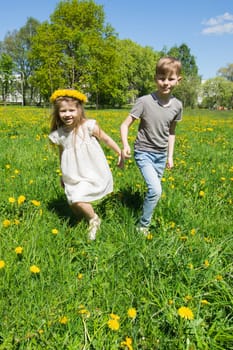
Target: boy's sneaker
(143, 229)
(94, 225)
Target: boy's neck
(164, 100)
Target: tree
(6, 76)
(217, 93)
(17, 45)
(227, 72)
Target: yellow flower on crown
(68, 93)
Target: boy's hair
(168, 65)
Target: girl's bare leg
(85, 209)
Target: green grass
(186, 261)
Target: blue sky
(205, 26)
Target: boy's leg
(151, 165)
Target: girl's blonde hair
(168, 65)
(56, 121)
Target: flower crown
(68, 93)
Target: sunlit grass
(171, 289)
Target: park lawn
(169, 290)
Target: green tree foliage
(227, 72)
(17, 45)
(217, 93)
(6, 76)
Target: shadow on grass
(126, 197)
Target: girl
(86, 175)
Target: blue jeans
(151, 165)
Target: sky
(205, 26)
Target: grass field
(169, 290)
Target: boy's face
(166, 82)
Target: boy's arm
(171, 145)
(126, 152)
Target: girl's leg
(88, 212)
(84, 209)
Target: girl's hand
(169, 163)
(121, 161)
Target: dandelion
(80, 276)
(190, 266)
(11, 200)
(204, 302)
(2, 264)
(6, 223)
(127, 343)
(7, 166)
(193, 232)
(35, 202)
(34, 269)
(21, 199)
(170, 302)
(219, 278)
(149, 236)
(206, 263)
(54, 231)
(132, 312)
(16, 222)
(188, 298)
(63, 320)
(113, 324)
(201, 194)
(172, 224)
(19, 250)
(185, 312)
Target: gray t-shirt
(155, 121)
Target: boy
(154, 146)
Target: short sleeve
(54, 137)
(90, 125)
(137, 109)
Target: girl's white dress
(85, 170)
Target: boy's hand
(126, 152)
(170, 163)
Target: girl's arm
(171, 145)
(124, 136)
(102, 136)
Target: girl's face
(69, 113)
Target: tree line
(77, 49)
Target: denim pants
(151, 166)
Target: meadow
(169, 290)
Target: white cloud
(219, 25)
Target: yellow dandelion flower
(172, 224)
(204, 302)
(7, 166)
(132, 312)
(114, 316)
(6, 223)
(113, 324)
(16, 222)
(21, 199)
(2, 264)
(206, 263)
(201, 194)
(80, 276)
(185, 312)
(34, 269)
(54, 231)
(63, 320)
(11, 200)
(190, 266)
(17, 171)
(149, 236)
(35, 202)
(219, 278)
(188, 298)
(193, 231)
(19, 250)
(127, 343)
(183, 238)
(170, 302)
